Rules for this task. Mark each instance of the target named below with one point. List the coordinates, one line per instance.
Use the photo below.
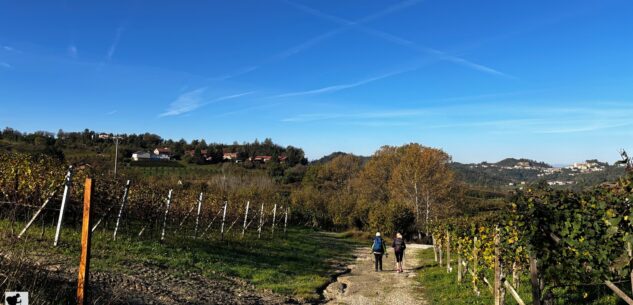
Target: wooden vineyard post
(619, 292)
(534, 281)
(497, 279)
(460, 267)
(248, 204)
(226, 203)
(286, 221)
(261, 222)
(118, 218)
(448, 252)
(67, 183)
(84, 263)
(195, 231)
(440, 252)
(274, 216)
(162, 235)
(37, 214)
(629, 250)
(434, 246)
(475, 263)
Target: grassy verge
(441, 288)
(295, 265)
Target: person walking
(398, 248)
(379, 249)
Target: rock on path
(364, 286)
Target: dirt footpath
(364, 286)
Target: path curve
(364, 286)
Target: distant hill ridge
(511, 162)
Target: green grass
(441, 288)
(294, 265)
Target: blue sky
(483, 80)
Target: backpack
(377, 247)
(399, 245)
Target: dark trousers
(378, 258)
(399, 256)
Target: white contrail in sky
(441, 55)
(317, 39)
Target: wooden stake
(534, 280)
(261, 222)
(460, 267)
(226, 203)
(211, 223)
(513, 292)
(162, 235)
(619, 292)
(118, 219)
(84, 263)
(68, 182)
(448, 252)
(195, 232)
(475, 263)
(497, 269)
(434, 246)
(274, 216)
(286, 220)
(248, 203)
(37, 214)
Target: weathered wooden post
(195, 232)
(448, 252)
(286, 220)
(37, 214)
(440, 251)
(67, 184)
(118, 218)
(274, 217)
(84, 263)
(475, 263)
(434, 246)
(460, 266)
(534, 281)
(248, 203)
(261, 222)
(162, 235)
(226, 203)
(498, 289)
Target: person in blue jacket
(378, 248)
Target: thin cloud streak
(115, 43)
(361, 115)
(339, 87)
(313, 41)
(441, 55)
(194, 99)
(5, 65)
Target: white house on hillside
(141, 155)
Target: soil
(364, 286)
(146, 284)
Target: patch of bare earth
(364, 286)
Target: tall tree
(421, 178)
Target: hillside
(511, 172)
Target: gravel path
(364, 286)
